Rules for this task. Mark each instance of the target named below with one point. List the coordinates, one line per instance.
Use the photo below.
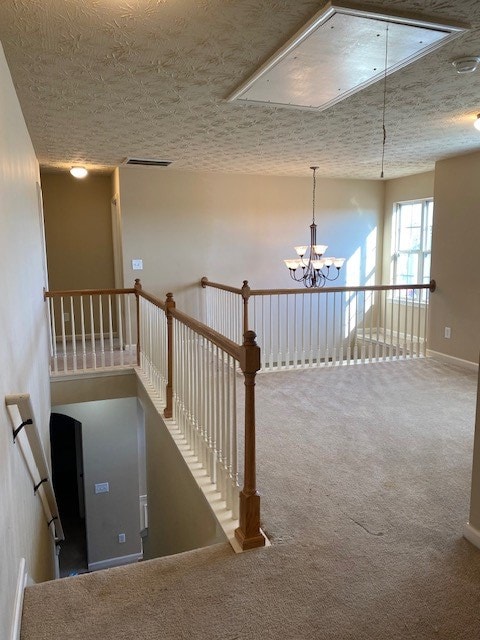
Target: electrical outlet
(121, 538)
(102, 487)
(448, 333)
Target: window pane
(410, 227)
(407, 268)
(409, 238)
(427, 234)
(426, 267)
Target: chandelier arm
(335, 277)
(292, 275)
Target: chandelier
(316, 270)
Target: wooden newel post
(169, 304)
(138, 287)
(248, 533)
(245, 296)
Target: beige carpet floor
(365, 475)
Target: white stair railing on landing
(42, 479)
(91, 329)
(300, 328)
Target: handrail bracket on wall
(18, 429)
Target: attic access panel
(339, 52)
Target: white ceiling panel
(339, 52)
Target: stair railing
(299, 328)
(195, 371)
(191, 368)
(43, 485)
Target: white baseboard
(443, 357)
(18, 602)
(115, 562)
(472, 534)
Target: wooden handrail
(22, 401)
(246, 292)
(381, 287)
(153, 299)
(205, 282)
(230, 347)
(86, 292)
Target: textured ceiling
(100, 80)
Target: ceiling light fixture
(316, 269)
(78, 172)
(476, 124)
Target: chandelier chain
(314, 189)
(384, 100)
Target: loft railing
(41, 477)
(192, 368)
(92, 329)
(300, 328)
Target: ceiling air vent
(144, 162)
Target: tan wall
(78, 231)
(110, 454)
(414, 187)
(23, 349)
(455, 258)
(233, 227)
(122, 384)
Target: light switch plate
(102, 487)
(137, 264)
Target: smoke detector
(466, 65)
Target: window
(412, 242)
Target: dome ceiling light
(78, 172)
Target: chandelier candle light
(315, 269)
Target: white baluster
(120, 328)
(64, 339)
(102, 338)
(82, 324)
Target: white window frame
(420, 252)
